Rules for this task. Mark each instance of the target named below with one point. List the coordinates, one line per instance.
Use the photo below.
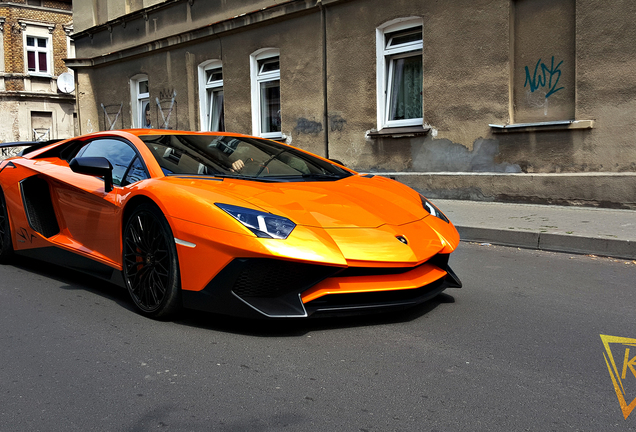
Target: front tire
(6, 246)
(150, 263)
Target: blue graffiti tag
(547, 75)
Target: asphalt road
(517, 348)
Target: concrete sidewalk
(585, 230)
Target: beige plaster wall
(171, 19)
(466, 78)
(470, 63)
(18, 112)
(173, 73)
(606, 88)
(301, 78)
(605, 92)
(543, 60)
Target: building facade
(522, 100)
(34, 40)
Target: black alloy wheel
(6, 247)
(151, 268)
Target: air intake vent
(274, 278)
(39, 207)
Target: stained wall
(509, 86)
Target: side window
(136, 173)
(120, 155)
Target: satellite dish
(66, 82)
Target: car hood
(351, 202)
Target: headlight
(262, 224)
(429, 207)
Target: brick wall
(13, 34)
(62, 5)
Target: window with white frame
(211, 96)
(38, 54)
(399, 73)
(265, 74)
(140, 102)
(70, 44)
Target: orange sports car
(225, 223)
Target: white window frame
(38, 31)
(137, 99)
(70, 45)
(2, 23)
(384, 68)
(205, 87)
(256, 80)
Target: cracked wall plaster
(443, 155)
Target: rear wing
(30, 145)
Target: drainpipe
(325, 117)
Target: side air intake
(36, 196)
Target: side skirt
(66, 259)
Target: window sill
(272, 136)
(38, 75)
(400, 132)
(543, 126)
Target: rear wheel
(151, 267)
(6, 247)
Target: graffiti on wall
(41, 134)
(544, 77)
(309, 127)
(112, 114)
(167, 109)
(336, 123)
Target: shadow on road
(294, 327)
(287, 327)
(74, 280)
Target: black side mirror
(337, 161)
(95, 166)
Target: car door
(91, 217)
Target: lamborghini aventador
(225, 223)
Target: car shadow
(74, 280)
(294, 327)
(286, 327)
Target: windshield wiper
(235, 175)
(219, 175)
(264, 165)
(323, 176)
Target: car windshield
(239, 157)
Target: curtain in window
(406, 88)
(215, 115)
(42, 62)
(270, 106)
(31, 61)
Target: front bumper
(272, 288)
